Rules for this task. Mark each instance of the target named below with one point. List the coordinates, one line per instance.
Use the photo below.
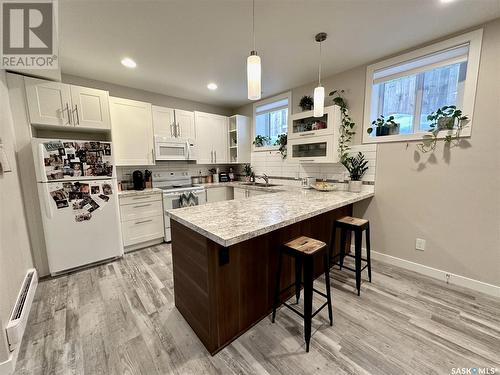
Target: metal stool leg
(357, 258)
(368, 258)
(331, 248)
(298, 277)
(327, 286)
(277, 290)
(343, 241)
(308, 291)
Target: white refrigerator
(78, 197)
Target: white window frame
(474, 39)
(285, 95)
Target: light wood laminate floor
(120, 318)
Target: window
(271, 117)
(411, 86)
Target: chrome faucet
(264, 177)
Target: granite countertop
(241, 185)
(131, 193)
(234, 221)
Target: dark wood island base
(224, 291)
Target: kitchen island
(225, 255)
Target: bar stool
(356, 225)
(303, 249)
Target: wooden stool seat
(306, 245)
(303, 249)
(346, 225)
(350, 221)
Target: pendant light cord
(319, 67)
(253, 23)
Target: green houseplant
(247, 170)
(306, 103)
(261, 140)
(356, 166)
(447, 118)
(282, 142)
(384, 126)
(346, 131)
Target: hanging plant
(282, 142)
(346, 126)
(445, 118)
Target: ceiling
(181, 45)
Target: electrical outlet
(420, 244)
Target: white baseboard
(435, 273)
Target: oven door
(167, 149)
(172, 201)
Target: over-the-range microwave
(175, 149)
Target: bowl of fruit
(323, 186)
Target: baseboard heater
(19, 317)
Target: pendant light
(253, 66)
(319, 92)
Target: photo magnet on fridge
(95, 190)
(106, 189)
(53, 146)
(85, 216)
(105, 198)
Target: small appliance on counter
(223, 177)
(138, 179)
(148, 180)
(307, 182)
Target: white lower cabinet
(142, 220)
(240, 193)
(219, 194)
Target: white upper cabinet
(90, 108)
(173, 123)
(163, 122)
(305, 125)
(185, 124)
(60, 104)
(49, 103)
(131, 132)
(211, 138)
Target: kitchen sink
(259, 184)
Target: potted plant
(282, 142)
(261, 140)
(384, 126)
(247, 169)
(356, 166)
(445, 118)
(306, 103)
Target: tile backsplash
(271, 163)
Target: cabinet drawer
(141, 210)
(142, 230)
(136, 199)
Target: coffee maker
(138, 179)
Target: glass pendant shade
(253, 76)
(319, 101)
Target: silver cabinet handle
(304, 160)
(77, 115)
(179, 129)
(215, 152)
(152, 154)
(69, 114)
(143, 205)
(171, 130)
(143, 221)
(307, 134)
(143, 197)
(212, 156)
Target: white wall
(122, 91)
(450, 199)
(15, 256)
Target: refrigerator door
(57, 160)
(80, 222)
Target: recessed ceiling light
(212, 86)
(447, 1)
(128, 62)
